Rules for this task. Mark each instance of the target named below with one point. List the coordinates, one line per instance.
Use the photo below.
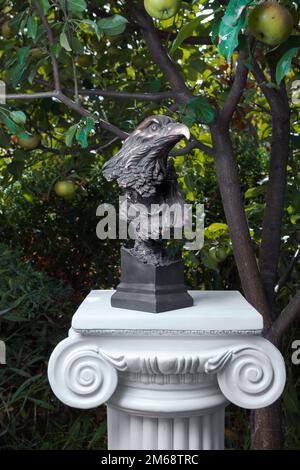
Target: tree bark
(276, 189)
(266, 428)
(229, 185)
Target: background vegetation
(49, 254)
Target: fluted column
(181, 433)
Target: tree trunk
(266, 428)
(266, 425)
(275, 197)
(228, 180)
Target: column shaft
(128, 431)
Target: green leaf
(76, 6)
(70, 134)
(198, 109)
(19, 392)
(232, 22)
(295, 139)
(208, 261)
(63, 40)
(5, 311)
(35, 68)
(18, 70)
(90, 123)
(16, 318)
(294, 219)
(17, 74)
(253, 192)
(112, 26)
(18, 117)
(76, 45)
(153, 85)
(56, 49)
(217, 226)
(12, 126)
(23, 54)
(46, 5)
(83, 132)
(187, 30)
(40, 403)
(215, 29)
(31, 27)
(98, 434)
(284, 65)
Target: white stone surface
(167, 377)
(212, 310)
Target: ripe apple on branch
(270, 23)
(162, 9)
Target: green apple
(218, 254)
(30, 143)
(270, 23)
(65, 188)
(84, 60)
(37, 52)
(162, 9)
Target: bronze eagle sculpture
(147, 177)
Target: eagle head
(141, 163)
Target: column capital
(81, 375)
(251, 375)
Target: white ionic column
(167, 377)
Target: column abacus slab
(167, 377)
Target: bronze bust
(148, 179)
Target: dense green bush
(35, 313)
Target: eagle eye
(154, 127)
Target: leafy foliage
(59, 259)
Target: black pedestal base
(150, 288)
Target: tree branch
(159, 96)
(262, 81)
(51, 43)
(237, 88)
(102, 123)
(75, 78)
(72, 105)
(276, 188)
(142, 96)
(77, 150)
(159, 53)
(190, 146)
(285, 319)
(32, 96)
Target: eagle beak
(180, 130)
